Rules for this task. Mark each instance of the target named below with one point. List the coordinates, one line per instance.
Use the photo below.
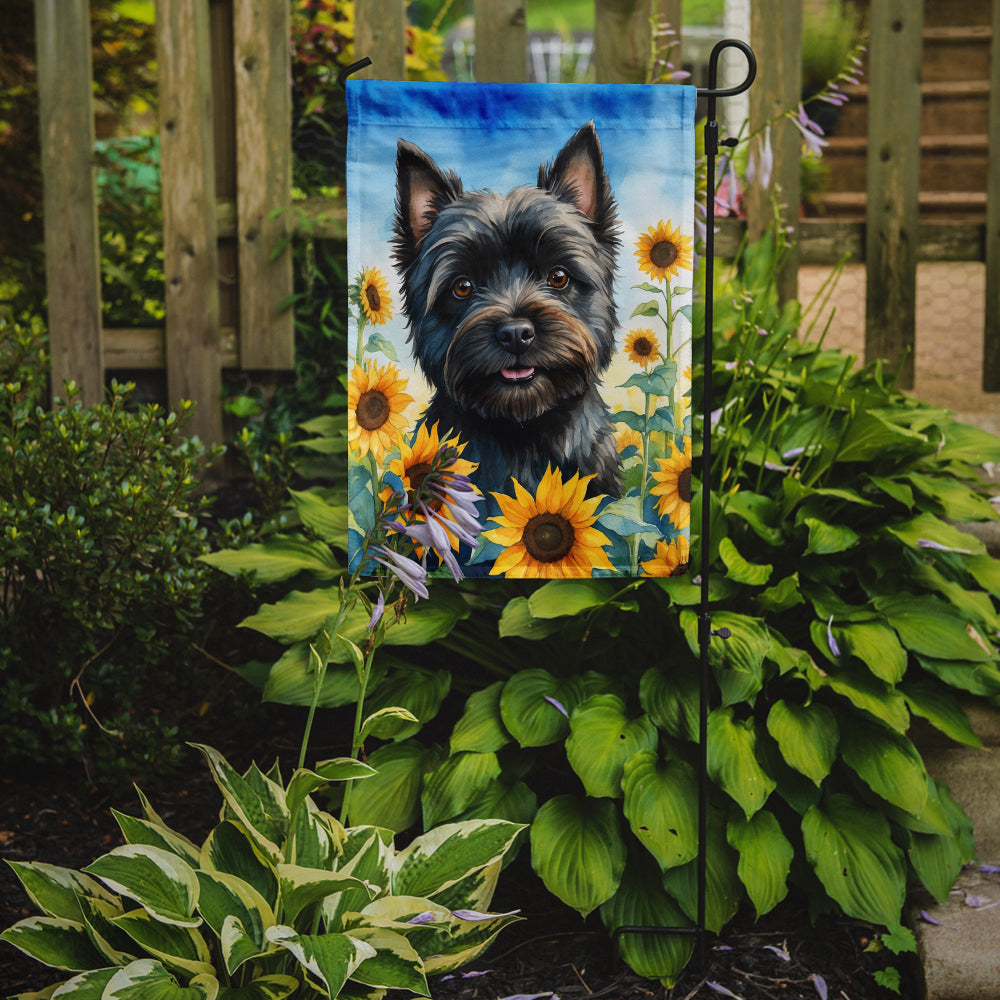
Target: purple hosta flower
(719, 988)
(377, 611)
(465, 975)
(761, 163)
(409, 572)
(820, 983)
(780, 952)
(558, 705)
(729, 195)
(927, 918)
(834, 648)
(475, 915)
(531, 996)
(430, 534)
(427, 917)
(928, 543)
(990, 869)
(811, 132)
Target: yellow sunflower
(642, 346)
(549, 535)
(374, 296)
(375, 405)
(663, 251)
(627, 437)
(671, 559)
(415, 462)
(673, 485)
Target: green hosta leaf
(417, 690)
(893, 488)
(783, 595)
(957, 501)
(230, 849)
(866, 692)
(147, 979)
(438, 859)
(517, 620)
(869, 436)
(602, 738)
(141, 831)
(641, 901)
(279, 558)
(330, 959)
(528, 710)
(931, 628)
(225, 897)
(976, 678)
(732, 760)
(395, 964)
(481, 728)
(275, 987)
(941, 709)
(159, 881)
(986, 571)
(965, 443)
(975, 605)
(516, 803)
(928, 528)
(260, 809)
(723, 889)
(937, 859)
(738, 569)
(559, 598)
(661, 800)
(671, 700)
(850, 848)
(386, 723)
(876, 646)
(828, 539)
(456, 784)
(56, 891)
(765, 858)
(327, 520)
(301, 887)
(54, 941)
(807, 736)
(760, 512)
(738, 661)
(292, 680)
(578, 851)
(180, 948)
(391, 798)
(888, 763)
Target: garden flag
(520, 264)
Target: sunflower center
(373, 409)
(548, 537)
(417, 473)
(680, 569)
(373, 297)
(663, 254)
(642, 347)
(684, 485)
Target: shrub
(99, 539)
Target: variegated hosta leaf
(304, 782)
(256, 801)
(642, 902)
(602, 737)
(230, 849)
(456, 784)
(54, 941)
(481, 727)
(177, 947)
(56, 891)
(147, 979)
(850, 847)
(732, 760)
(275, 987)
(315, 838)
(86, 986)
(395, 964)
(475, 891)
(765, 858)
(535, 706)
(807, 736)
(158, 880)
(141, 831)
(578, 851)
(329, 959)
(225, 897)
(467, 941)
(661, 805)
(441, 857)
(116, 946)
(367, 853)
(301, 887)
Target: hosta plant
(279, 900)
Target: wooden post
(501, 41)
(623, 37)
(72, 255)
(262, 61)
(991, 333)
(380, 34)
(190, 254)
(776, 35)
(893, 183)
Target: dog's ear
(578, 176)
(422, 189)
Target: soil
(550, 953)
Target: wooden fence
(226, 161)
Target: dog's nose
(515, 334)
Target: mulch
(551, 953)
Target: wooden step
(956, 53)
(957, 206)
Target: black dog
(511, 311)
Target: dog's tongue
(515, 374)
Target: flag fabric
(520, 271)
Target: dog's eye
(558, 277)
(462, 288)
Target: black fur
(510, 304)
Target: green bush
(101, 584)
